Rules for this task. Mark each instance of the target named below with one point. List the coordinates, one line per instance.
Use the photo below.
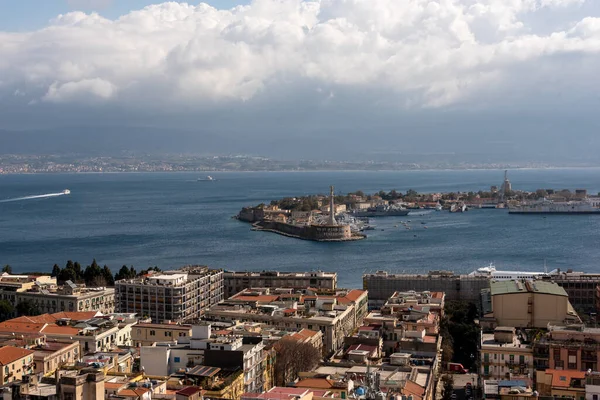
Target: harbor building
(528, 304)
(336, 315)
(580, 286)
(382, 285)
(48, 297)
(235, 282)
(178, 296)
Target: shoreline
(222, 171)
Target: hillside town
(201, 333)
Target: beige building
(505, 356)
(235, 282)
(530, 304)
(50, 298)
(177, 296)
(14, 363)
(336, 315)
(85, 384)
(148, 334)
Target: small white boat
(66, 191)
(208, 178)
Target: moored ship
(544, 206)
(381, 211)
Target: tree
(447, 387)
(66, 274)
(6, 310)
(55, 271)
(28, 308)
(125, 273)
(108, 276)
(7, 268)
(93, 275)
(294, 357)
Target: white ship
(544, 206)
(492, 273)
(66, 191)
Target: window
(556, 354)
(176, 359)
(152, 333)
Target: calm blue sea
(171, 219)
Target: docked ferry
(492, 273)
(544, 206)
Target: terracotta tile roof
(262, 298)
(77, 316)
(437, 295)
(354, 294)
(114, 385)
(316, 383)
(362, 347)
(9, 354)
(60, 330)
(38, 319)
(414, 389)
(21, 327)
(189, 391)
(135, 393)
(563, 378)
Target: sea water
(173, 219)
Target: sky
(299, 78)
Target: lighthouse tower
(332, 220)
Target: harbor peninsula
(300, 224)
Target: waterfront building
(43, 292)
(382, 285)
(335, 315)
(580, 286)
(528, 304)
(504, 355)
(178, 296)
(235, 282)
(14, 363)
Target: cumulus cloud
(420, 53)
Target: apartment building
(14, 363)
(426, 300)
(235, 282)
(178, 296)
(504, 355)
(561, 384)
(147, 334)
(572, 347)
(579, 286)
(336, 315)
(222, 353)
(529, 304)
(44, 293)
(93, 332)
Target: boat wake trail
(39, 196)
